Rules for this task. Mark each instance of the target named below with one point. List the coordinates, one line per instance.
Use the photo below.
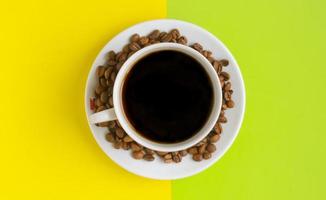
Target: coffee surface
(167, 96)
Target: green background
(280, 151)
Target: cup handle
(103, 116)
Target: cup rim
(132, 132)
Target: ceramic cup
(117, 112)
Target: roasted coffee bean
(214, 138)
(211, 148)
(192, 150)
(162, 34)
(224, 62)
(123, 57)
(111, 124)
(101, 108)
(143, 40)
(119, 65)
(125, 49)
(108, 72)
(167, 156)
(225, 76)
(197, 157)
(175, 34)
(202, 148)
(98, 102)
(138, 155)
(134, 38)
(113, 76)
(127, 138)
(210, 59)
(100, 71)
(166, 38)
(111, 101)
(104, 96)
(125, 146)
(103, 82)
(109, 137)
(149, 157)
(222, 119)
(217, 66)
(110, 55)
(176, 157)
(230, 103)
(134, 46)
(182, 40)
(135, 147)
(111, 62)
(117, 145)
(227, 95)
(149, 151)
(103, 124)
(218, 128)
(198, 47)
(154, 41)
(99, 89)
(227, 86)
(183, 153)
(154, 34)
(120, 132)
(207, 155)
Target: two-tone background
(47, 150)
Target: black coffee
(167, 96)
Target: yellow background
(46, 148)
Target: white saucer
(157, 169)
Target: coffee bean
(111, 62)
(113, 76)
(110, 55)
(110, 91)
(211, 148)
(166, 38)
(167, 156)
(182, 40)
(197, 157)
(138, 155)
(134, 46)
(123, 57)
(101, 108)
(134, 38)
(197, 46)
(135, 147)
(154, 34)
(103, 82)
(125, 146)
(230, 103)
(143, 40)
(183, 153)
(100, 71)
(103, 124)
(119, 65)
(222, 119)
(211, 59)
(111, 124)
(192, 150)
(98, 102)
(176, 157)
(217, 66)
(225, 76)
(108, 72)
(111, 101)
(162, 34)
(207, 155)
(104, 96)
(227, 95)
(99, 89)
(175, 33)
(214, 138)
(109, 137)
(117, 145)
(227, 86)
(206, 54)
(120, 132)
(218, 128)
(149, 151)
(127, 138)
(149, 157)
(224, 62)
(202, 148)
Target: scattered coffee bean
(218, 128)
(230, 103)
(127, 138)
(125, 146)
(167, 156)
(134, 38)
(120, 132)
(99, 109)
(135, 147)
(166, 38)
(143, 40)
(117, 145)
(224, 62)
(193, 150)
(197, 157)
(202, 148)
(149, 157)
(176, 157)
(168, 161)
(161, 153)
(207, 155)
(182, 40)
(214, 138)
(183, 153)
(134, 46)
(113, 75)
(98, 103)
(104, 96)
(111, 55)
(100, 71)
(154, 34)
(109, 137)
(111, 62)
(198, 47)
(222, 119)
(211, 148)
(138, 155)
(225, 76)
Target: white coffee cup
(117, 112)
